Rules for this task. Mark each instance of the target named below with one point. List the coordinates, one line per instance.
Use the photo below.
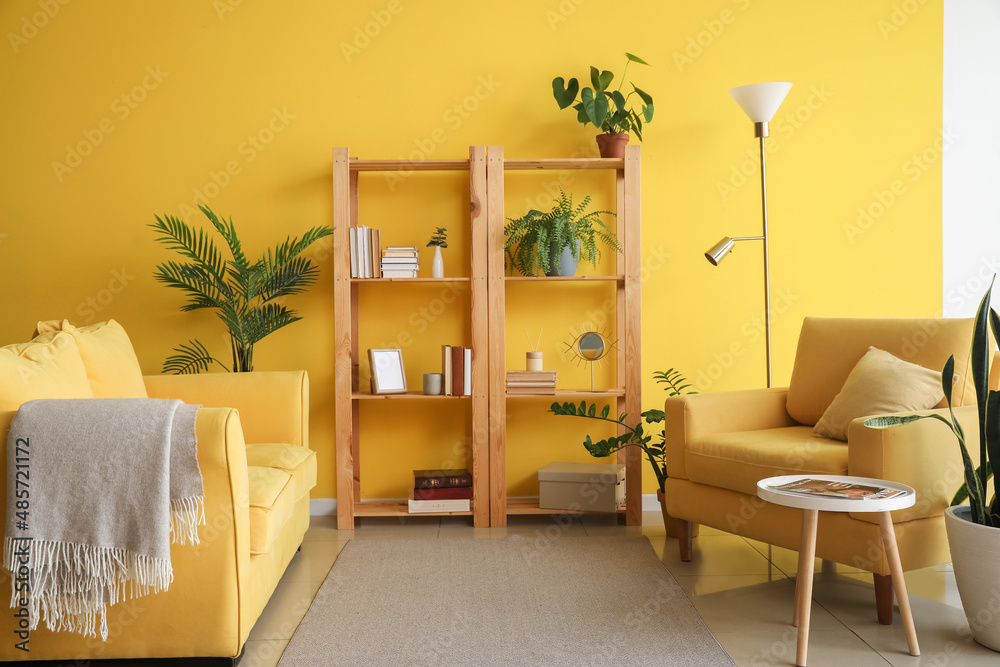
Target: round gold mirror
(592, 346)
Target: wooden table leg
(804, 583)
(898, 583)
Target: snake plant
(242, 291)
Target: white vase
(437, 266)
(975, 554)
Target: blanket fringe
(186, 514)
(72, 584)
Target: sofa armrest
(923, 454)
(273, 405)
(693, 416)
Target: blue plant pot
(567, 265)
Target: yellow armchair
(718, 446)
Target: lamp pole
(760, 131)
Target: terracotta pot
(669, 522)
(975, 554)
(612, 145)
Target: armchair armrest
(273, 405)
(922, 454)
(693, 416)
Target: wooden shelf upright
(627, 396)
(349, 393)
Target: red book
(440, 479)
(458, 493)
(457, 370)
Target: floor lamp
(760, 101)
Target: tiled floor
(745, 600)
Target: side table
(811, 505)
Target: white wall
(971, 163)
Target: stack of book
(531, 382)
(456, 369)
(441, 491)
(365, 245)
(400, 262)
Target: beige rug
(503, 601)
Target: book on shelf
(458, 370)
(376, 250)
(446, 389)
(444, 493)
(442, 479)
(399, 273)
(531, 376)
(400, 260)
(353, 235)
(468, 372)
(531, 384)
(544, 391)
(831, 489)
(443, 505)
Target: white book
(399, 273)
(354, 252)
(364, 252)
(449, 505)
(468, 372)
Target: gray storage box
(582, 487)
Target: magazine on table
(830, 489)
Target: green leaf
(635, 59)
(596, 106)
(593, 410)
(564, 94)
(190, 358)
(646, 97)
(647, 112)
(600, 80)
(582, 410)
(605, 411)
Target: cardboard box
(582, 487)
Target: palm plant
(533, 239)
(243, 292)
(634, 436)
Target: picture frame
(388, 376)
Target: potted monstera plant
(635, 436)
(974, 529)
(605, 108)
(553, 242)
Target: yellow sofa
(257, 469)
(719, 445)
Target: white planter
(975, 555)
(437, 265)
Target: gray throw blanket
(96, 491)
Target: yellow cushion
(299, 462)
(829, 348)
(47, 367)
(112, 367)
(880, 384)
(737, 461)
(270, 505)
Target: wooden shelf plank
(395, 508)
(456, 279)
(566, 163)
(570, 279)
(409, 394)
(410, 165)
(530, 506)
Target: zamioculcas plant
(984, 512)
(244, 292)
(634, 436)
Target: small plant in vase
(438, 241)
(606, 109)
(553, 243)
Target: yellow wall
(242, 101)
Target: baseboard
(328, 506)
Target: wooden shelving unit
(486, 167)
(349, 394)
(628, 393)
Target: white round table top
(821, 500)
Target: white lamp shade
(760, 101)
